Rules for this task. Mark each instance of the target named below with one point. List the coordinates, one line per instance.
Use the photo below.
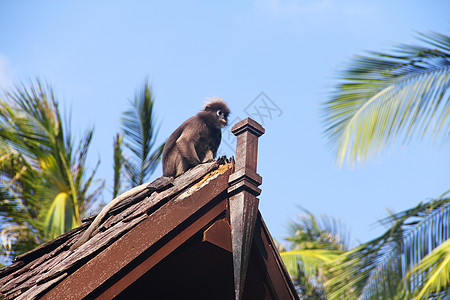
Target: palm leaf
(140, 138)
(386, 96)
(16, 239)
(40, 116)
(434, 270)
(44, 176)
(311, 261)
(87, 187)
(369, 271)
(308, 231)
(118, 164)
(378, 269)
(314, 242)
(59, 217)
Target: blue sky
(97, 54)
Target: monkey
(196, 140)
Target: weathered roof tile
(34, 272)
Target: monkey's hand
(209, 156)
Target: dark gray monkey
(196, 140)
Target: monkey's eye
(219, 113)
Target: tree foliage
(118, 162)
(400, 263)
(313, 243)
(379, 99)
(45, 186)
(385, 96)
(139, 138)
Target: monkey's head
(218, 110)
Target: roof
(169, 238)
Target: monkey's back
(171, 157)
(198, 130)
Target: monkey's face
(222, 118)
(218, 112)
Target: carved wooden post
(243, 204)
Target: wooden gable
(170, 239)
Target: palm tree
(379, 99)
(139, 137)
(383, 97)
(45, 187)
(401, 263)
(313, 243)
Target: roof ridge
(159, 185)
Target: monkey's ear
(207, 107)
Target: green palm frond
(356, 274)
(140, 138)
(378, 269)
(40, 135)
(16, 239)
(385, 96)
(59, 217)
(43, 173)
(87, 187)
(308, 231)
(311, 261)
(314, 242)
(118, 164)
(434, 272)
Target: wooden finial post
(243, 204)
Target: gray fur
(196, 140)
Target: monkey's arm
(216, 142)
(187, 149)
